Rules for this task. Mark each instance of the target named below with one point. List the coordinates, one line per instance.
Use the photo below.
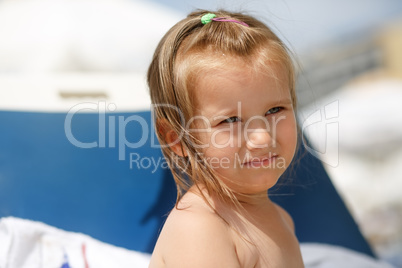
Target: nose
(258, 138)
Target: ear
(170, 136)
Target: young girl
(222, 86)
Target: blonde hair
(187, 49)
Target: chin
(254, 186)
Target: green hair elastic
(207, 18)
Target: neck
(256, 204)
(254, 201)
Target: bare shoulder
(286, 217)
(194, 236)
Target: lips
(261, 161)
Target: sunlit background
(57, 53)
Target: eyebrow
(221, 114)
(283, 101)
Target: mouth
(265, 161)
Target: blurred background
(57, 53)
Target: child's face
(246, 123)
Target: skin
(249, 148)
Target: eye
(232, 119)
(274, 110)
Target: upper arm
(192, 239)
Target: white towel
(317, 255)
(29, 244)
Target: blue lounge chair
(45, 177)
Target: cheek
(220, 160)
(287, 132)
(221, 151)
(224, 137)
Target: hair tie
(207, 18)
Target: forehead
(239, 81)
(237, 69)
(264, 61)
